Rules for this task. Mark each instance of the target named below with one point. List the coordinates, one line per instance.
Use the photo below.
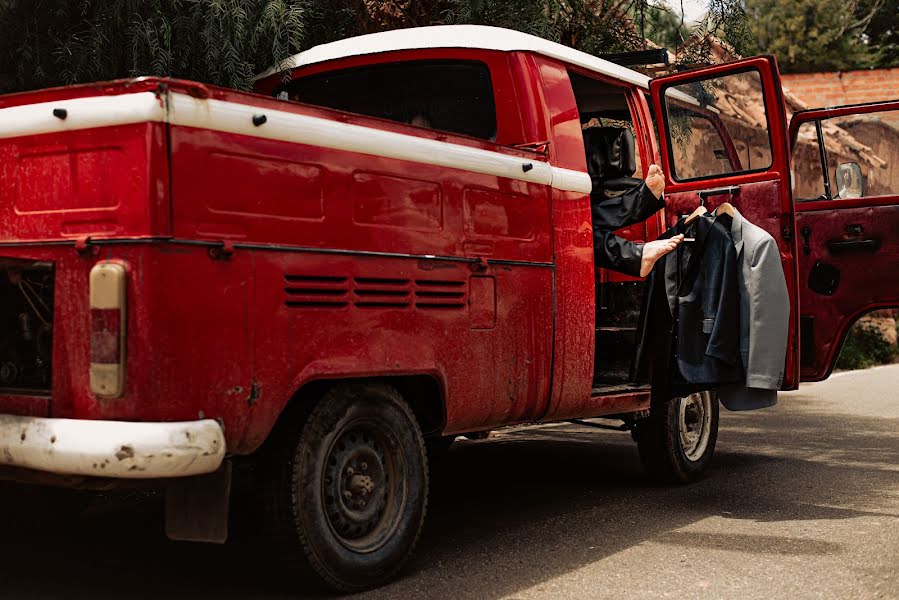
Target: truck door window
(862, 154)
(859, 157)
(809, 182)
(453, 96)
(718, 127)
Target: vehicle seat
(610, 159)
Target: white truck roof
(479, 37)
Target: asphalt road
(801, 501)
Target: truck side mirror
(849, 180)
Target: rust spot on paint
(53, 439)
(254, 394)
(125, 452)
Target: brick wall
(844, 87)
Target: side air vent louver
(322, 291)
(316, 291)
(433, 294)
(377, 292)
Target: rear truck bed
(84, 193)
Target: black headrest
(610, 154)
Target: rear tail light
(107, 305)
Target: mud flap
(196, 508)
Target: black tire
(666, 454)
(345, 492)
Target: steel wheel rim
(695, 424)
(364, 488)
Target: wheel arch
(423, 392)
(808, 374)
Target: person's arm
(635, 205)
(616, 253)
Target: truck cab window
(451, 96)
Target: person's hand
(655, 180)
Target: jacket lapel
(690, 257)
(736, 230)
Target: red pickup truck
(391, 246)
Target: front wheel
(676, 442)
(345, 493)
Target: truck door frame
(845, 238)
(768, 189)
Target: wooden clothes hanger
(700, 210)
(727, 208)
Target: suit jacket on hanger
(764, 318)
(689, 331)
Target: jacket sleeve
(609, 214)
(616, 253)
(633, 206)
(769, 317)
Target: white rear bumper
(111, 448)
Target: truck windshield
(452, 96)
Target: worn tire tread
(658, 444)
(280, 513)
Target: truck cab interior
(614, 164)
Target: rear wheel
(676, 442)
(345, 494)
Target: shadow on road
(506, 513)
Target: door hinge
(787, 233)
(222, 252)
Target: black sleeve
(616, 253)
(609, 214)
(633, 206)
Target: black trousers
(609, 214)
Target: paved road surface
(802, 501)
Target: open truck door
(846, 191)
(723, 138)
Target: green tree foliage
(56, 42)
(662, 26)
(883, 29)
(865, 347)
(825, 35)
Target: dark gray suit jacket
(764, 318)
